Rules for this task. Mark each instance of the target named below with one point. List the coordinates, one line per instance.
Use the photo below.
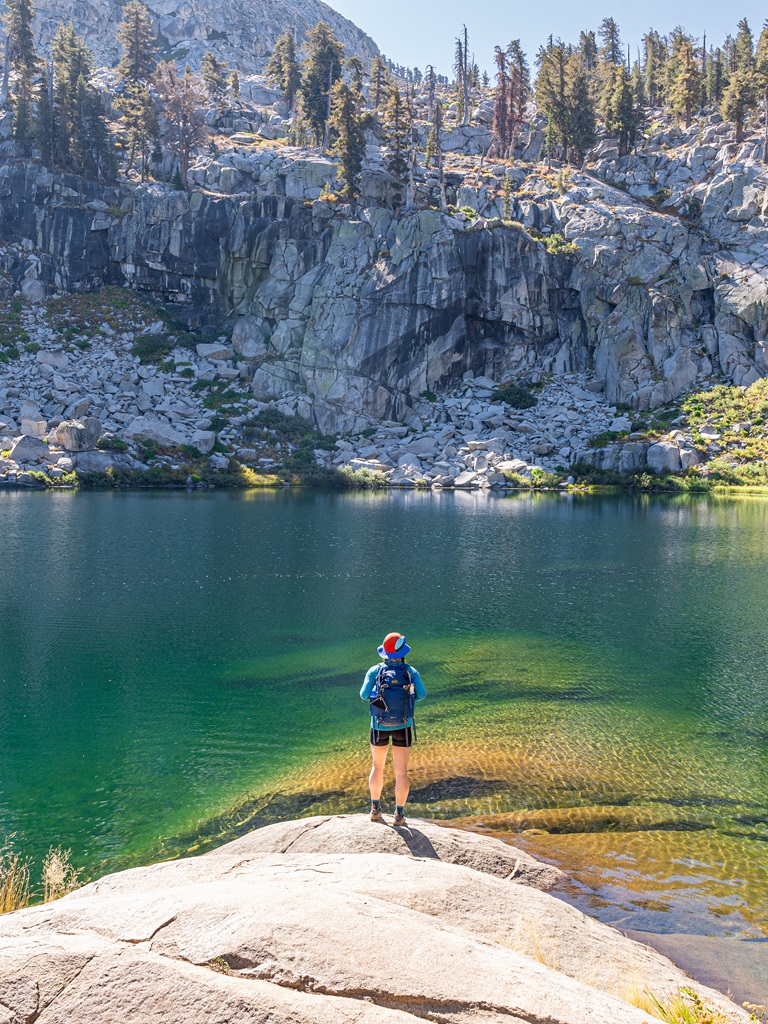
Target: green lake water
(175, 668)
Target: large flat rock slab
(263, 929)
(342, 833)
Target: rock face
(241, 34)
(349, 316)
(287, 925)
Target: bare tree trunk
(327, 129)
(6, 73)
(765, 128)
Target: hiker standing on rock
(392, 688)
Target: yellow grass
(14, 880)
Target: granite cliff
(242, 34)
(349, 315)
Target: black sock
(399, 809)
(375, 804)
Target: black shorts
(399, 738)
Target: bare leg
(376, 778)
(400, 756)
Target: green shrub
(286, 428)
(152, 348)
(514, 395)
(559, 246)
(111, 444)
(606, 437)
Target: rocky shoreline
(332, 918)
(86, 404)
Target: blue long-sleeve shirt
(369, 682)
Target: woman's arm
(368, 683)
(421, 692)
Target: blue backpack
(392, 697)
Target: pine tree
(138, 106)
(234, 85)
(136, 36)
(654, 61)
(214, 74)
(181, 98)
(463, 72)
(744, 46)
(435, 151)
(638, 88)
(730, 60)
(580, 110)
(322, 69)
(715, 77)
(431, 81)
(24, 61)
(91, 148)
(611, 52)
(551, 93)
(283, 69)
(80, 134)
(348, 138)
(43, 124)
(761, 67)
(353, 67)
(396, 131)
(72, 60)
(501, 103)
(519, 89)
(379, 81)
(739, 98)
(588, 51)
(621, 119)
(685, 91)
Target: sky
(421, 32)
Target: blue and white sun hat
(394, 647)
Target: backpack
(392, 697)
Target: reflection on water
(177, 668)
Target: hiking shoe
(399, 820)
(376, 814)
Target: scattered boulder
(37, 428)
(215, 351)
(100, 462)
(58, 360)
(78, 435)
(28, 448)
(203, 440)
(145, 428)
(664, 455)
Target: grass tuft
(685, 1007)
(14, 879)
(59, 874)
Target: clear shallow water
(174, 667)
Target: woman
(394, 686)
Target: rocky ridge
(301, 921)
(242, 34)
